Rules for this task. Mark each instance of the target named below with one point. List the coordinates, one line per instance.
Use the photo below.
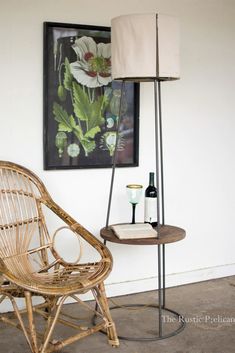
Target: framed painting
(82, 103)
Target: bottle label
(150, 209)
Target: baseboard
(172, 280)
(147, 284)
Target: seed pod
(62, 93)
(61, 142)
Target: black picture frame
(81, 102)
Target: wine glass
(134, 192)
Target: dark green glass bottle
(150, 204)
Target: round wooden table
(166, 234)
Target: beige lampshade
(145, 47)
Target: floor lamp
(145, 48)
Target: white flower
(93, 65)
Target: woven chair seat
(67, 280)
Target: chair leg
(51, 305)
(51, 326)
(103, 303)
(32, 330)
(18, 315)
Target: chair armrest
(80, 230)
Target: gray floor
(208, 307)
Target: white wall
(199, 127)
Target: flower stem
(60, 68)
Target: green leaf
(64, 128)
(82, 106)
(88, 146)
(68, 78)
(92, 132)
(72, 121)
(97, 110)
(78, 132)
(66, 122)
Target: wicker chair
(30, 265)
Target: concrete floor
(208, 307)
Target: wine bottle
(150, 203)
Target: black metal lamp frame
(160, 216)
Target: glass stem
(133, 213)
